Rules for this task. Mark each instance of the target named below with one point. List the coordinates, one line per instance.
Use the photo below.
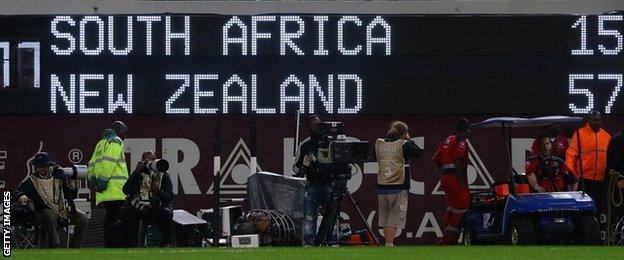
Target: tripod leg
(329, 220)
(368, 227)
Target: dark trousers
(130, 217)
(111, 229)
(316, 195)
(49, 220)
(597, 191)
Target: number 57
(589, 95)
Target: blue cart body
(553, 213)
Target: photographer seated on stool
(52, 194)
(149, 196)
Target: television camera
(335, 155)
(335, 147)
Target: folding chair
(25, 228)
(25, 237)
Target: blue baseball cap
(42, 159)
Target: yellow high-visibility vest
(107, 168)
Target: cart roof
(527, 122)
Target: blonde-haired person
(393, 154)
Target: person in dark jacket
(615, 155)
(149, 197)
(615, 166)
(318, 185)
(52, 195)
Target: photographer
(52, 194)
(393, 156)
(149, 195)
(318, 186)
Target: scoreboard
(326, 64)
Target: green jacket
(107, 171)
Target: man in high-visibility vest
(107, 174)
(594, 142)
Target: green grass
(346, 253)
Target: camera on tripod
(335, 155)
(335, 148)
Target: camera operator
(393, 156)
(52, 194)
(149, 195)
(318, 186)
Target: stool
(149, 235)
(141, 233)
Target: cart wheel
(522, 232)
(468, 237)
(589, 231)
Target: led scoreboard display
(336, 64)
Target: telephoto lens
(75, 171)
(160, 165)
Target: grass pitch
(399, 252)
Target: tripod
(323, 237)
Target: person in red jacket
(451, 162)
(547, 172)
(559, 142)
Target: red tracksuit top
(450, 149)
(551, 172)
